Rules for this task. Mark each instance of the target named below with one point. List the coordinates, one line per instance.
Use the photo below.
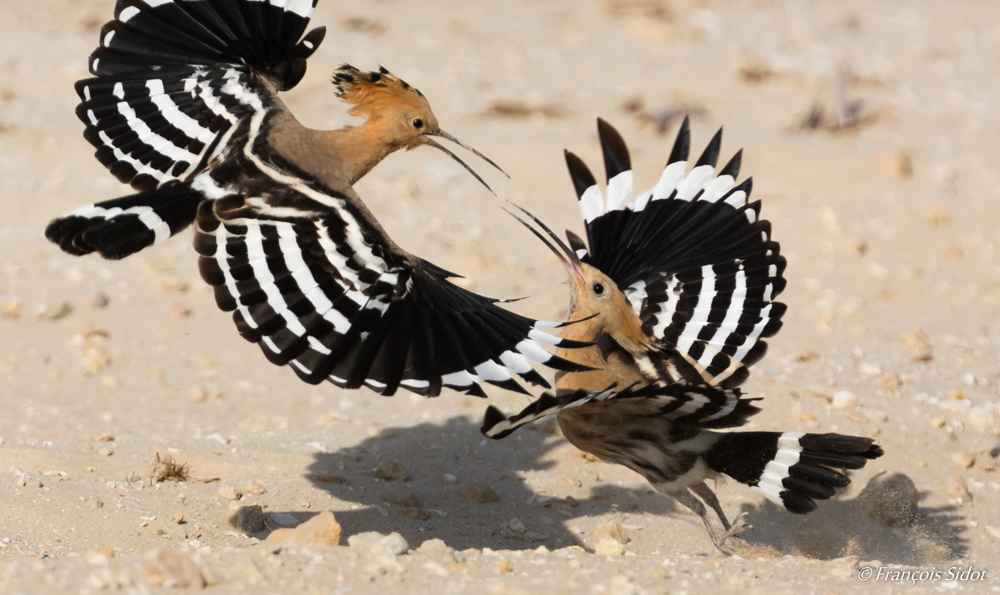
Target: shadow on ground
(885, 522)
(428, 452)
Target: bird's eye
(598, 289)
(418, 123)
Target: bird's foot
(739, 525)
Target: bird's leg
(687, 499)
(706, 494)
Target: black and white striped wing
(312, 279)
(693, 257)
(173, 77)
(697, 405)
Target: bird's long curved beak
(441, 133)
(566, 256)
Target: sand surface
(885, 202)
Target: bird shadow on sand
(884, 522)
(429, 504)
(425, 502)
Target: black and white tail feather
(693, 257)
(182, 98)
(791, 469)
(123, 226)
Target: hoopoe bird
(676, 293)
(184, 106)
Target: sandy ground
(884, 201)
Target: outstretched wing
(173, 77)
(697, 405)
(312, 278)
(694, 258)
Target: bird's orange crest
(375, 92)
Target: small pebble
(101, 300)
(963, 459)
(515, 526)
(449, 478)
(254, 488)
(390, 545)
(402, 498)
(180, 310)
(505, 566)
(390, 471)
(895, 163)
(104, 451)
(322, 529)
(64, 310)
(890, 381)
(417, 513)
(228, 492)
(479, 494)
(438, 550)
(177, 518)
(609, 547)
(248, 519)
(613, 530)
(869, 369)
(985, 464)
(283, 518)
(844, 400)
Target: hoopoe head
(595, 298)
(398, 111)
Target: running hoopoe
(184, 107)
(676, 292)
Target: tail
(123, 226)
(791, 469)
(173, 76)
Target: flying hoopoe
(184, 106)
(676, 293)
